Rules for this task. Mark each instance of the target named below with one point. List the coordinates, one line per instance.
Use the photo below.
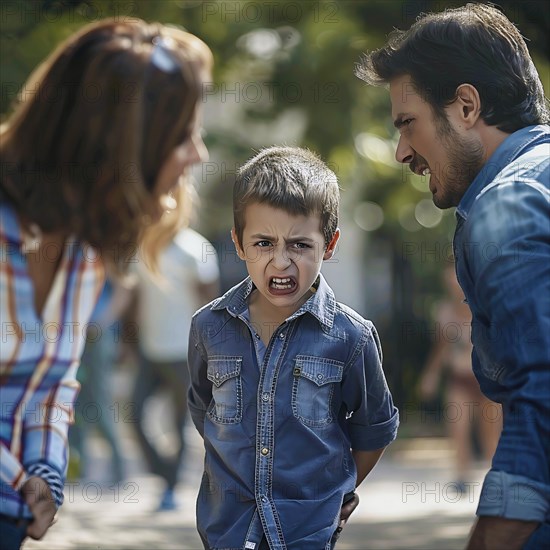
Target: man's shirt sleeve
(508, 260)
(372, 418)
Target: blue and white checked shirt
(39, 358)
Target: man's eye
(404, 124)
(263, 244)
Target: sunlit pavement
(408, 502)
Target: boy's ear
(240, 251)
(329, 252)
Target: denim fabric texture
(502, 250)
(279, 422)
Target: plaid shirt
(39, 358)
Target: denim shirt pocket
(313, 388)
(225, 374)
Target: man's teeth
(281, 284)
(426, 172)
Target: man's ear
(240, 251)
(468, 104)
(329, 251)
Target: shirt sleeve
(11, 470)
(45, 434)
(200, 388)
(508, 261)
(372, 419)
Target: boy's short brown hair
(293, 179)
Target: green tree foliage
(284, 74)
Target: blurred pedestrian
(95, 406)
(187, 278)
(473, 119)
(452, 351)
(80, 180)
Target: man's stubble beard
(465, 161)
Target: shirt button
(257, 336)
(217, 375)
(282, 335)
(265, 451)
(265, 396)
(264, 499)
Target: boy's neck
(265, 317)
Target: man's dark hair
(475, 44)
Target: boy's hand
(347, 510)
(40, 501)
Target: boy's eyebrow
(271, 238)
(299, 239)
(262, 236)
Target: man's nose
(404, 152)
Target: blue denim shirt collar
(510, 149)
(322, 304)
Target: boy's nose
(280, 259)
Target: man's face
(283, 255)
(434, 146)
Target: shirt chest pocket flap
(313, 388)
(225, 374)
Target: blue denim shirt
(502, 250)
(278, 428)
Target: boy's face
(283, 254)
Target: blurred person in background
(473, 119)
(95, 405)
(452, 351)
(186, 279)
(80, 180)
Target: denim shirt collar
(510, 149)
(322, 304)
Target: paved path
(409, 502)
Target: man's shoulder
(532, 166)
(523, 184)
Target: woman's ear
(240, 251)
(329, 251)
